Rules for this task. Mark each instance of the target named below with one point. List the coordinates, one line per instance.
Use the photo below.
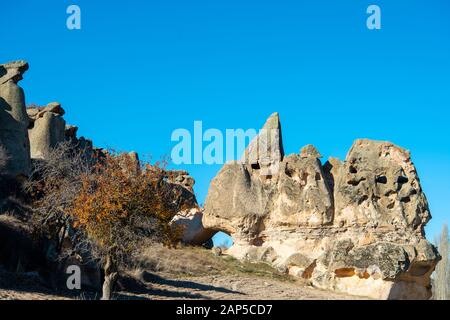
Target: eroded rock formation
(47, 129)
(190, 216)
(13, 120)
(355, 226)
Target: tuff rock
(354, 226)
(47, 129)
(189, 218)
(13, 120)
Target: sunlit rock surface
(354, 226)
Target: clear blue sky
(137, 70)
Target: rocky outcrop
(189, 218)
(47, 129)
(191, 224)
(13, 120)
(265, 151)
(355, 226)
(378, 186)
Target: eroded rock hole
(256, 166)
(405, 199)
(288, 172)
(402, 179)
(381, 179)
(352, 169)
(355, 182)
(362, 199)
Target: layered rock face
(354, 226)
(13, 120)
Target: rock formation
(193, 231)
(47, 129)
(190, 215)
(355, 226)
(13, 120)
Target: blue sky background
(137, 70)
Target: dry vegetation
(105, 205)
(197, 261)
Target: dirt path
(216, 287)
(223, 287)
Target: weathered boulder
(47, 129)
(189, 218)
(14, 120)
(355, 226)
(190, 222)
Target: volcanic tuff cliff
(354, 226)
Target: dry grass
(197, 261)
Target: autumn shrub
(109, 206)
(121, 206)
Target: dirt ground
(215, 287)
(223, 287)
(183, 273)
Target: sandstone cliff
(355, 226)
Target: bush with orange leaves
(120, 206)
(103, 207)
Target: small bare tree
(442, 273)
(53, 185)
